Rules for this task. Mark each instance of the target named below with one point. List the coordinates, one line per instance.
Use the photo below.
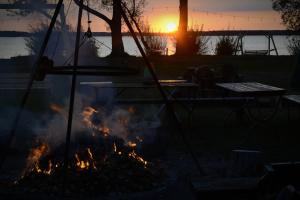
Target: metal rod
(25, 6)
(12, 133)
(73, 87)
(165, 98)
(137, 27)
(95, 67)
(274, 45)
(93, 73)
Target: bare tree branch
(96, 13)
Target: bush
(196, 43)
(294, 45)
(156, 43)
(226, 46)
(61, 44)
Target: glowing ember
(131, 144)
(90, 153)
(105, 130)
(49, 169)
(98, 165)
(134, 155)
(81, 163)
(115, 147)
(35, 155)
(56, 108)
(131, 110)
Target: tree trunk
(182, 36)
(183, 20)
(116, 30)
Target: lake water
(15, 46)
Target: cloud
(233, 5)
(219, 5)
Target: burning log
(105, 159)
(120, 172)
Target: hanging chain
(89, 31)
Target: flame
(37, 153)
(85, 164)
(46, 171)
(116, 150)
(79, 163)
(90, 153)
(131, 110)
(49, 169)
(134, 155)
(37, 168)
(131, 144)
(87, 114)
(115, 147)
(105, 130)
(86, 160)
(91, 157)
(56, 108)
(59, 109)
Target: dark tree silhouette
(290, 12)
(182, 35)
(225, 46)
(114, 23)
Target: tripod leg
(12, 133)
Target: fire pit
(104, 159)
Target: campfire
(104, 159)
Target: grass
(265, 69)
(209, 133)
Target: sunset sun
(171, 27)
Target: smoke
(93, 116)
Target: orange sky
(249, 20)
(212, 14)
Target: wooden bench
(293, 99)
(14, 85)
(18, 82)
(269, 94)
(256, 52)
(252, 89)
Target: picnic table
(252, 89)
(292, 100)
(19, 82)
(171, 88)
(257, 110)
(144, 84)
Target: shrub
(195, 43)
(202, 44)
(226, 45)
(61, 44)
(156, 43)
(294, 45)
